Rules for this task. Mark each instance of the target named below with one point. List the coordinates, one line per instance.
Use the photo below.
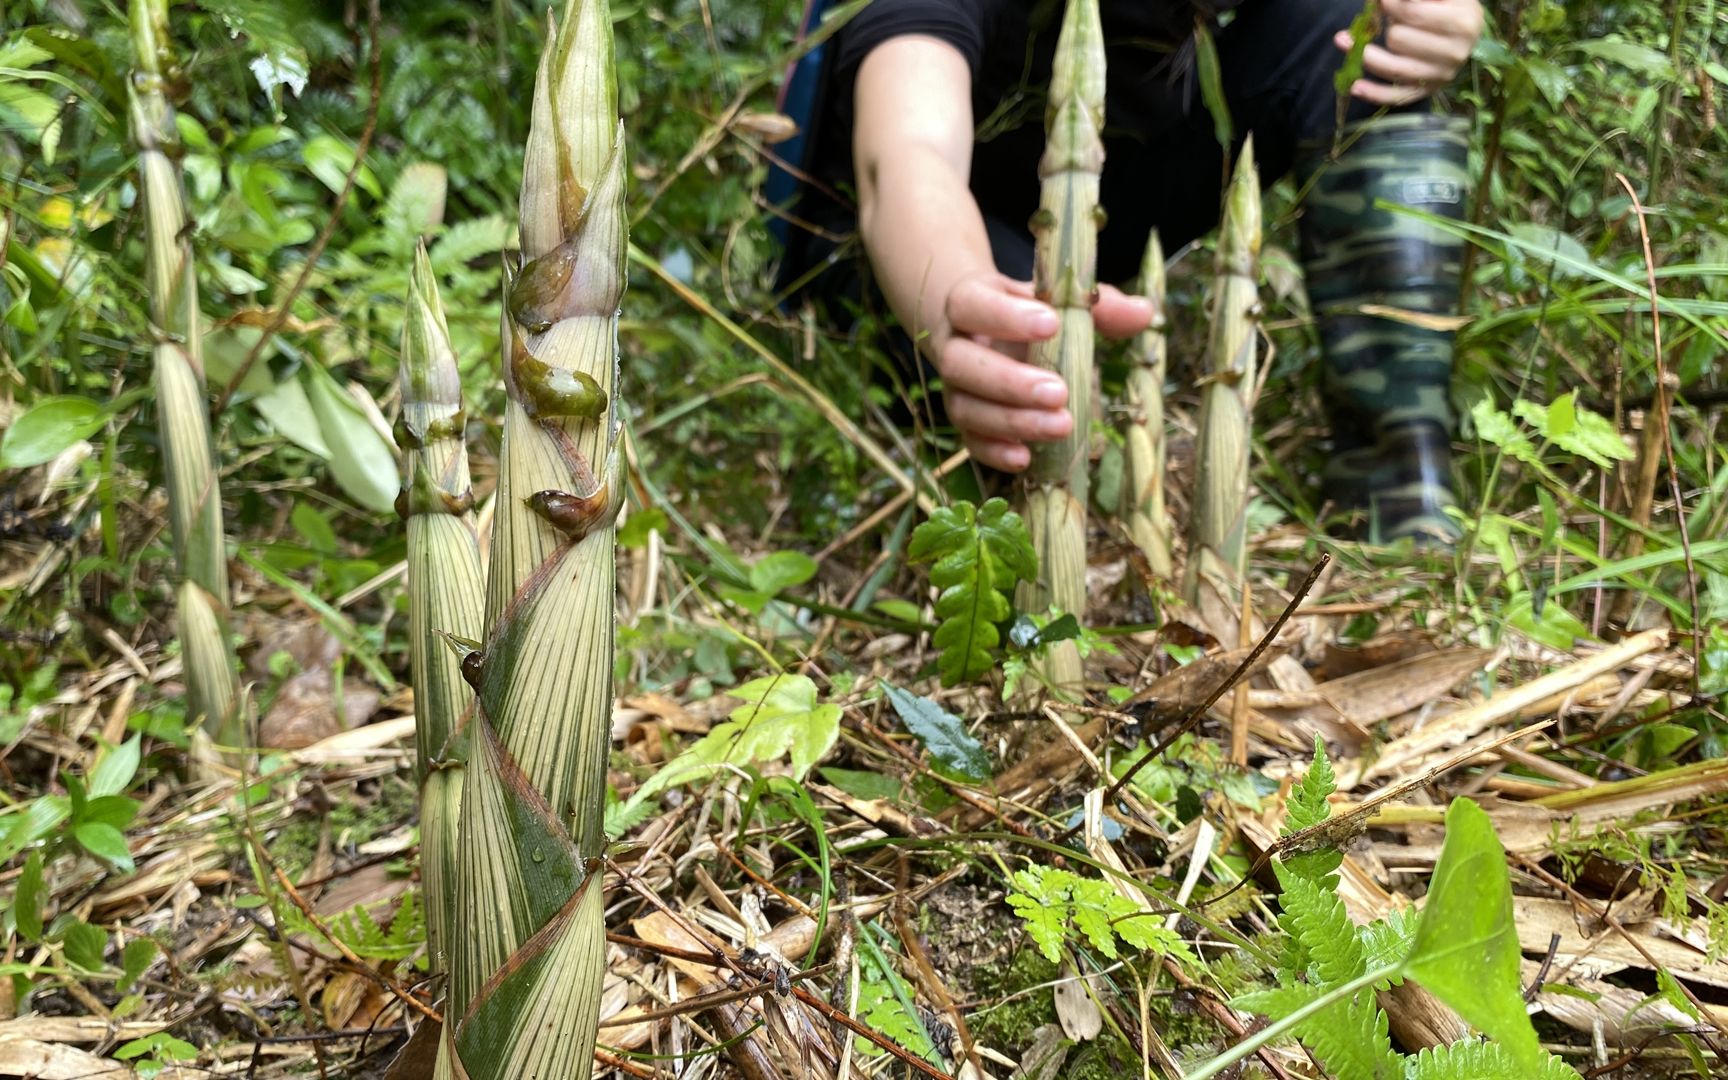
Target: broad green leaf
(49, 427)
(360, 460)
(27, 897)
(1550, 251)
(329, 159)
(289, 411)
(863, 785)
(1641, 59)
(781, 717)
(782, 570)
(226, 349)
(105, 842)
(634, 532)
(114, 772)
(161, 1044)
(1466, 951)
(115, 810)
(84, 945)
(942, 733)
(314, 528)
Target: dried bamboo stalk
(1065, 276)
(194, 494)
(1218, 541)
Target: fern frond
(979, 554)
(1387, 940)
(1475, 1060)
(1307, 805)
(1350, 1038)
(1315, 916)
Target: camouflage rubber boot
(1387, 375)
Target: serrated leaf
(135, 960)
(942, 734)
(781, 716)
(1500, 429)
(1576, 429)
(1308, 805)
(1466, 949)
(1475, 1060)
(1315, 917)
(466, 241)
(415, 206)
(84, 945)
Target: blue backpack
(801, 97)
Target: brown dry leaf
(770, 127)
(350, 1000)
(1377, 694)
(1338, 661)
(1076, 1010)
(1624, 1016)
(306, 711)
(1425, 320)
(1173, 696)
(419, 1056)
(1043, 1059)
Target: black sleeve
(961, 23)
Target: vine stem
(1277, 1030)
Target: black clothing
(1163, 166)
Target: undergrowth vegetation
(844, 835)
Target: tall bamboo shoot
(527, 963)
(194, 494)
(1065, 229)
(1148, 522)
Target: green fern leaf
(1350, 1038)
(978, 556)
(884, 1010)
(1387, 940)
(1473, 1060)
(1307, 806)
(1315, 916)
(1042, 901)
(1145, 931)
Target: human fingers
(1406, 69)
(998, 454)
(975, 368)
(1386, 94)
(1453, 18)
(990, 305)
(981, 418)
(1121, 315)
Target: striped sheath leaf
(1065, 230)
(528, 962)
(1218, 544)
(445, 588)
(194, 495)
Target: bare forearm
(924, 233)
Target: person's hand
(1427, 41)
(997, 400)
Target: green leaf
(1362, 30)
(863, 785)
(1641, 59)
(27, 898)
(37, 820)
(1475, 1060)
(633, 534)
(1498, 428)
(84, 945)
(135, 960)
(114, 772)
(314, 528)
(781, 716)
(1212, 85)
(782, 570)
(115, 810)
(1466, 951)
(329, 159)
(289, 411)
(105, 842)
(360, 460)
(942, 733)
(978, 557)
(49, 427)
(1041, 899)
(161, 1043)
